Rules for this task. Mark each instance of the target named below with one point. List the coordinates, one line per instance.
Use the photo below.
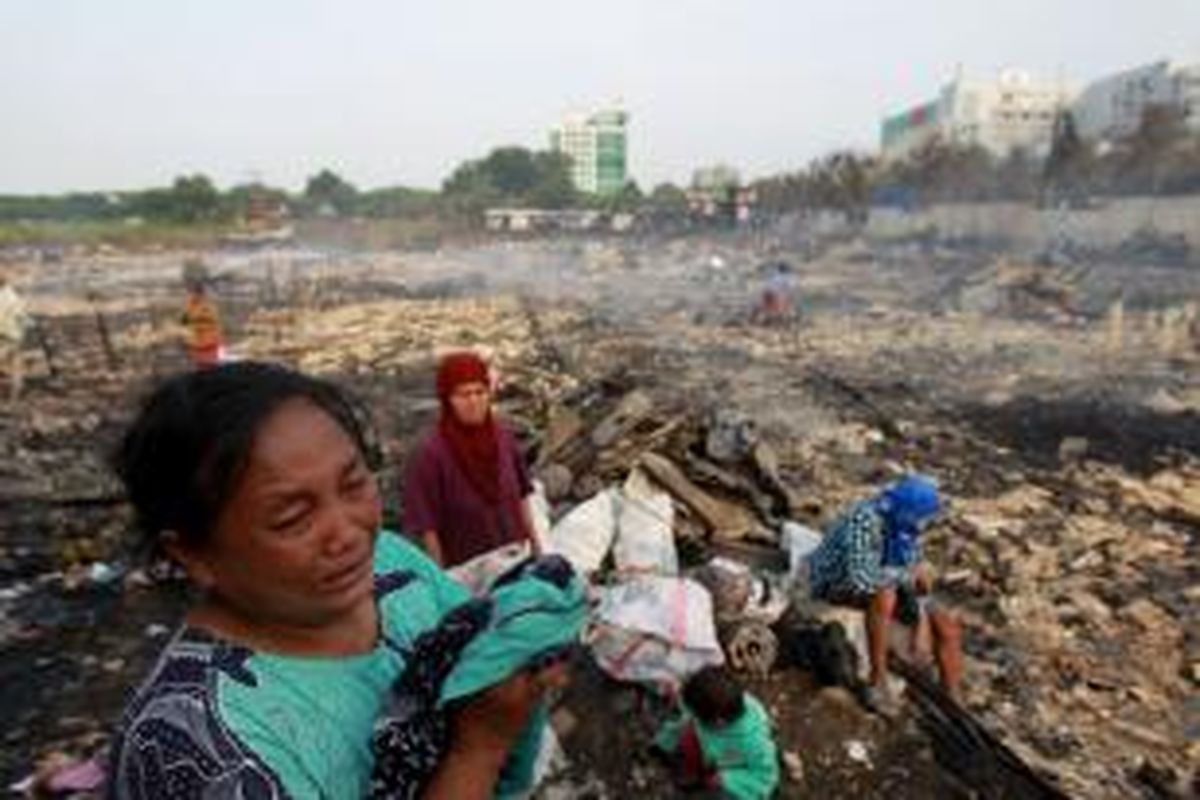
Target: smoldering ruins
(1055, 396)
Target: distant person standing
(14, 321)
(776, 305)
(200, 319)
(466, 491)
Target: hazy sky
(110, 94)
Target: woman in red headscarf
(466, 490)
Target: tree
(780, 194)
(190, 199)
(511, 176)
(195, 199)
(512, 170)
(328, 190)
(667, 198)
(1142, 160)
(628, 200)
(69, 207)
(469, 189)
(842, 181)
(553, 187)
(1015, 177)
(398, 201)
(941, 171)
(1064, 174)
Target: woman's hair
(183, 456)
(714, 696)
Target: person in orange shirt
(203, 326)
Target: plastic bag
(655, 630)
(585, 535)
(645, 529)
(799, 542)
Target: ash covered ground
(1064, 426)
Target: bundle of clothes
(530, 619)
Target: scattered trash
(102, 573)
(59, 774)
(666, 430)
(750, 647)
(857, 752)
(793, 765)
(799, 542)
(731, 436)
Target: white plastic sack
(645, 529)
(585, 535)
(799, 542)
(655, 630)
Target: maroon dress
(439, 497)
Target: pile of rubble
(1073, 565)
(1058, 577)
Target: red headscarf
(476, 448)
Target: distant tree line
(507, 176)
(1162, 157)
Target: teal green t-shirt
(743, 752)
(218, 719)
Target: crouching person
(720, 742)
(870, 558)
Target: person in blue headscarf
(870, 558)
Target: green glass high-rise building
(597, 145)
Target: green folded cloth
(538, 609)
(538, 612)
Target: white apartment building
(596, 144)
(1013, 111)
(1112, 107)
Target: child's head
(713, 696)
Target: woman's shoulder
(505, 430)
(506, 438)
(862, 517)
(431, 448)
(174, 734)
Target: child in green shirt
(720, 741)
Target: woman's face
(471, 402)
(294, 543)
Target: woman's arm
(422, 498)
(466, 774)
(526, 512)
(433, 547)
(484, 732)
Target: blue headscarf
(906, 506)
